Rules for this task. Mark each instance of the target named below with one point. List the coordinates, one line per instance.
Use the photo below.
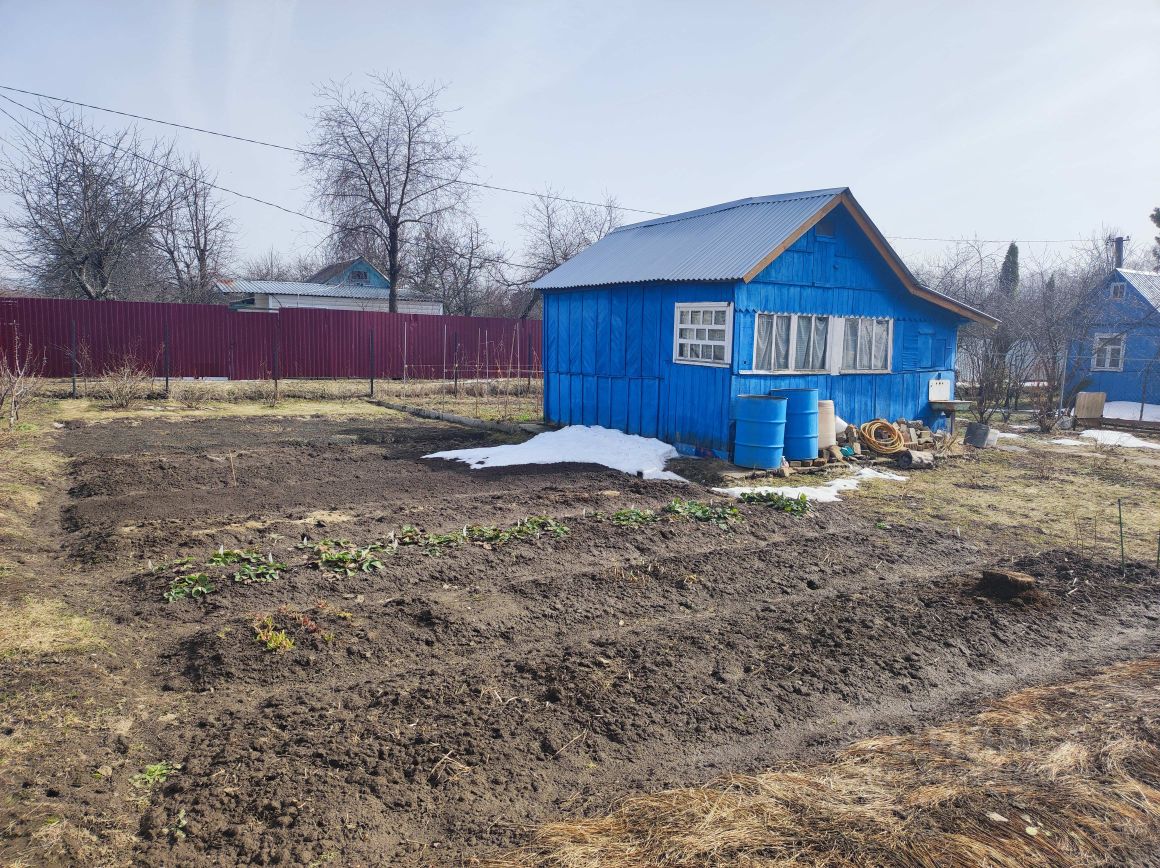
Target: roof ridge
(736, 203)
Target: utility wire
(162, 166)
(304, 152)
(479, 184)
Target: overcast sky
(1003, 120)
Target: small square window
(703, 333)
(1118, 289)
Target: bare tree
(384, 164)
(456, 264)
(273, 266)
(195, 235)
(21, 375)
(86, 204)
(555, 230)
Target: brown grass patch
(1058, 775)
(36, 626)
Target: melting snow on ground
(827, 493)
(1131, 410)
(1004, 435)
(584, 444)
(1109, 438)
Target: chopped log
(912, 459)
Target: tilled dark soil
(432, 712)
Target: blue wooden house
(656, 327)
(1119, 352)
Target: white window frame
(1101, 336)
(1119, 289)
(827, 367)
(889, 347)
(727, 343)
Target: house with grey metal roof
(351, 285)
(658, 327)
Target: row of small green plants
(341, 556)
(716, 514)
(721, 516)
(799, 505)
(338, 556)
(249, 567)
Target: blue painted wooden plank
(633, 332)
(617, 317)
(603, 331)
(632, 423)
(650, 407)
(618, 400)
(590, 409)
(604, 401)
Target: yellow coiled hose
(882, 437)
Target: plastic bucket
(760, 435)
(977, 435)
(801, 423)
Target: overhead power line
(308, 153)
(162, 166)
(478, 184)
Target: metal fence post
(372, 362)
(73, 356)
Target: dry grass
(508, 400)
(1043, 496)
(1059, 775)
(36, 626)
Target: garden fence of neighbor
(79, 338)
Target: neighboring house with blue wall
(1119, 353)
(354, 284)
(659, 325)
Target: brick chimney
(1118, 241)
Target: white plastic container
(827, 433)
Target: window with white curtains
(866, 345)
(790, 342)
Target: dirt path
(434, 711)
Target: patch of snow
(1003, 435)
(871, 473)
(584, 444)
(1131, 410)
(1067, 441)
(827, 493)
(1120, 438)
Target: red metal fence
(201, 340)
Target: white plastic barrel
(827, 434)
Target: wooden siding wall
(608, 361)
(844, 276)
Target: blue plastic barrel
(801, 423)
(760, 431)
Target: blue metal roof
(722, 242)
